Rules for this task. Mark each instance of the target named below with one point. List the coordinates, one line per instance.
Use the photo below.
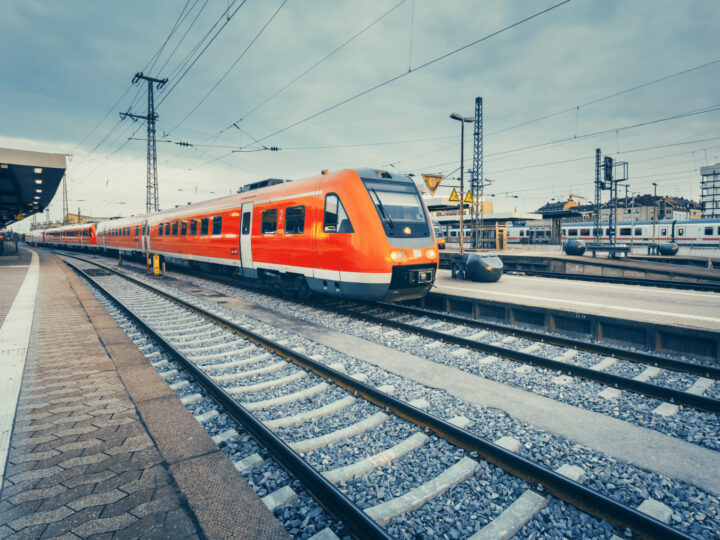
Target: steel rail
(598, 348)
(324, 492)
(658, 392)
(568, 490)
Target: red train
(361, 234)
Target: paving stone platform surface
(91, 454)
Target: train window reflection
(204, 225)
(193, 227)
(269, 221)
(217, 225)
(295, 220)
(167, 229)
(183, 228)
(336, 219)
(175, 228)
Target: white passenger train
(687, 232)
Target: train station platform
(92, 439)
(682, 308)
(632, 267)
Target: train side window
(625, 231)
(336, 219)
(204, 225)
(268, 222)
(584, 232)
(174, 228)
(217, 225)
(137, 230)
(663, 231)
(295, 220)
(681, 231)
(638, 232)
(183, 228)
(708, 231)
(718, 230)
(193, 227)
(143, 229)
(572, 232)
(160, 229)
(246, 223)
(167, 229)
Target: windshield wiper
(382, 209)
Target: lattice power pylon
(152, 203)
(477, 181)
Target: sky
(341, 84)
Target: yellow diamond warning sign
(454, 196)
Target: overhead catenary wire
(404, 74)
(232, 66)
(290, 83)
(420, 67)
(577, 108)
(178, 79)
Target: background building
(710, 191)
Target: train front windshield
(399, 207)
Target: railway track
(523, 350)
(237, 368)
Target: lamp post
(463, 120)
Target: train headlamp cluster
(398, 256)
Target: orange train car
(362, 234)
(80, 235)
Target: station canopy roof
(28, 182)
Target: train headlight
(430, 253)
(398, 256)
(407, 230)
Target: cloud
(71, 62)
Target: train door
(145, 237)
(245, 240)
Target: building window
(217, 225)
(204, 226)
(295, 220)
(269, 221)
